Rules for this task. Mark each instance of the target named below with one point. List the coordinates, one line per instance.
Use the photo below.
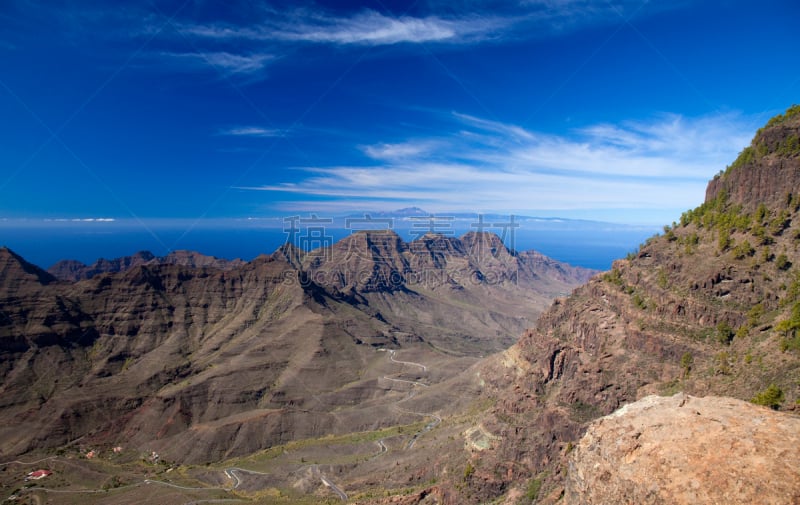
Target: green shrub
(782, 262)
(743, 331)
(760, 233)
(743, 250)
(724, 241)
(724, 333)
(790, 326)
(469, 470)
(754, 314)
(747, 156)
(534, 487)
(793, 291)
(791, 112)
(613, 277)
(788, 146)
(771, 397)
(722, 363)
(686, 362)
(761, 213)
(663, 278)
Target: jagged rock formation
(687, 450)
(201, 360)
(73, 270)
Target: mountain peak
(14, 268)
(410, 211)
(768, 170)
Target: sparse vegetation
(771, 397)
(722, 363)
(788, 146)
(742, 331)
(782, 262)
(662, 279)
(582, 412)
(614, 277)
(469, 470)
(724, 333)
(792, 291)
(788, 327)
(743, 250)
(534, 487)
(687, 360)
(791, 112)
(746, 157)
(639, 301)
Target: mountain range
(201, 359)
(378, 371)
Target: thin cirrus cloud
(365, 28)
(225, 62)
(482, 21)
(250, 47)
(372, 28)
(485, 165)
(398, 151)
(250, 131)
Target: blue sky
(209, 109)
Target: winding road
(391, 358)
(436, 419)
(333, 487)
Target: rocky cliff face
(768, 170)
(687, 450)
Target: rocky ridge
(73, 270)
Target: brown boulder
(684, 449)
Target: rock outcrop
(768, 170)
(687, 450)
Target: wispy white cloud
(658, 165)
(373, 28)
(405, 150)
(251, 131)
(224, 62)
(442, 22)
(365, 28)
(81, 220)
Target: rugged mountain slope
(201, 363)
(711, 307)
